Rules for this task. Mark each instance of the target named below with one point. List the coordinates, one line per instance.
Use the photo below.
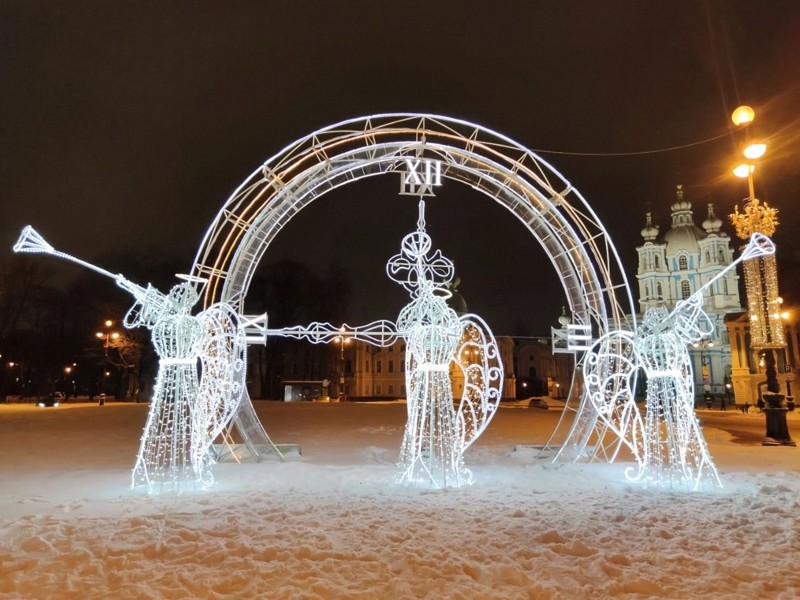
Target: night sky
(128, 124)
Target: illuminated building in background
(675, 264)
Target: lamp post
(18, 381)
(341, 339)
(761, 282)
(108, 335)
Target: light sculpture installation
(668, 444)
(190, 408)
(429, 150)
(437, 432)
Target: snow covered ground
(331, 524)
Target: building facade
(748, 376)
(674, 265)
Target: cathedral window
(708, 257)
(659, 291)
(683, 263)
(656, 262)
(686, 289)
(646, 291)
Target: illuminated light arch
(554, 212)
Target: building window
(725, 286)
(378, 367)
(646, 291)
(366, 365)
(708, 257)
(657, 262)
(391, 390)
(348, 366)
(686, 289)
(683, 263)
(659, 291)
(403, 390)
(377, 390)
(402, 366)
(391, 367)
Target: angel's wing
(222, 357)
(478, 357)
(609, 370)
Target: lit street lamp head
(743, 115)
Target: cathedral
(675, 264)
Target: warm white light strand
(190, 408)
(437, 432)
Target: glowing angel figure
(675, 449)
(437, 434)
(190, 408)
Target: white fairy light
(668, 446)
(437, 432)
(190, 408)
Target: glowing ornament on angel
(190, 407)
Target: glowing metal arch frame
(555, 213)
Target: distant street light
(341, 339)
(107, 335)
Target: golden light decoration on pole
(760, 274)
(761, 284)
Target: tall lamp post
(761, 283)
(341, 339)
(107, 335)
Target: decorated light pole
(761, 284)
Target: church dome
(650, 231)
(712, 222)
(684, 234)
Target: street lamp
(107, 335)
(761, 283)
(19, 380)
(341, 339)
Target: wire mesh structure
(190, 407)
(437, 432)
(553, 211)
(668, 443)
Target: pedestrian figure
(760, 404)
(722, 405)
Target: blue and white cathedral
(674, 265)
